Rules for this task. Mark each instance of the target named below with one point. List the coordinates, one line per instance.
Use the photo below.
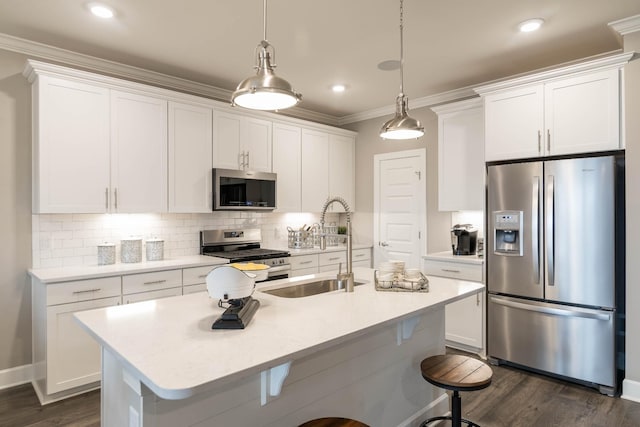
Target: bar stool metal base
(456, 410)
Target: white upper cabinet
(342, 170)
(461, 156)
(190, 157)
(138, 153)
(71, 147)
(241, 142)
(315, 170)
(286, 165)
(514, 124)
(582, 114)
(575, 109)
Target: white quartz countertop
(449, 256)
(169, 345)
(65, 274)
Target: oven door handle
(285, 267)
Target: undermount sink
(307, 289)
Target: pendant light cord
(401, 50)
(264, 15)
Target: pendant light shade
(265, 90)
(401, 126)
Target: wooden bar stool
(333, 422)
(457, 373)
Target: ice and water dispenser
(508, 233)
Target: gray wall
(15, 212)
(369, 144)
(632, 125)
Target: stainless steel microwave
(235, 190)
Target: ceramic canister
(131, 250)
(155, 249)
(106, 253)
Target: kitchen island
(340, 354)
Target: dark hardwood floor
(515, 398)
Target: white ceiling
(448, 44)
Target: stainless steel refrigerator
(555, 267)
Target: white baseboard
(16, 376)
(631, 390)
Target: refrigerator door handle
(535, 250)
(550, 231)
(552, 311)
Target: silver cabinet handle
(306, 262)
(155, 282)
(539, 144)
(477, 299)
(548, 141)
(247, 161)
(86, 291)
(535, 213)
(106, 198)
(359, 255)
(202, 276)
(115, 198)
(550, 230)
(334, 259)
(383, 244)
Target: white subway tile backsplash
(67, 240)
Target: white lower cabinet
(328, 261)
(73, 357)
(66, 359)
(464, 319)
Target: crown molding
(598, 62)
(427, 101)
(626, 26)
(128, 72)
(455, 107)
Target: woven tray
(400, 284)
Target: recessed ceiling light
(101, 10)
(338, 88)
(530, 25)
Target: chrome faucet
(348, 276)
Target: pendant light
(401, 126)
(265, 90)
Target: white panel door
(190, 158)
(73, 356)
(315, 170)
(256, 145)
(582, 114)
(342, 170)
(138, 153)
(400, 207)
(514, 124)
(226, 140)
(286, 164)
(71, 150)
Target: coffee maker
(464, 239)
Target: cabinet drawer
(453, 270)
(144, 282)
(83, 290)
(196, 275)
(330, 258)
(361, 255)
(303, 261)
(362, 263)
(303, 271)
(146, 296)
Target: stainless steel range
(242, 245)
